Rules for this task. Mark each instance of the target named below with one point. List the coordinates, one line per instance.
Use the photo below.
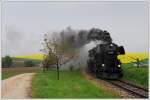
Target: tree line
(7, 62)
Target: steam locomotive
(103, 61)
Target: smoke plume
(82, 41)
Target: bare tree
(54, 52)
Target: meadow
(70, 85)
(136, 75)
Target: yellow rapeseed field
(130, 57)
(34, 56)
(127, 58)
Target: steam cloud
(83, 41)
(78, 38)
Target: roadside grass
(70, 85)
(136, 75)
(9, 72)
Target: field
(34, 56)
(124, 58)
(130, 57)
(136, 75)
(73, 84)
(70, 85)
(9, 72)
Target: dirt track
(17, 87)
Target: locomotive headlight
(119, 66)
(103, 64)
(111, 45)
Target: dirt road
(17, 87)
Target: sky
(25, 23)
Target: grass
(9, 72)
(70, 85)
(136, 75)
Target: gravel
(106, 86)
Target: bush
(7, 61)
(29, 63)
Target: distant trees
(29, 63)
(7, 61)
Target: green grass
(70, 85)
(145, 61)
(136, 75)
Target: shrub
(29, 63)
(7, 61)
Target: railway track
(134, 89)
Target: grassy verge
(9, 72)
(136, 75)
(70, 85)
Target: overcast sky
(24, 23)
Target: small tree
(7, 61)
(48, 61)
(29, 63)
(57, 51)
(54, 51)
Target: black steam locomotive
(103, 61)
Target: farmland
(130, 57)
(46, 85)
(33, 56)
(124, 58)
